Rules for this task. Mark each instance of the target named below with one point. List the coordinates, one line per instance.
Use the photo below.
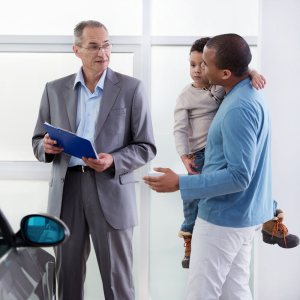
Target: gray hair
(78, 30)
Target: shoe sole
(269, 239)
(185, 264)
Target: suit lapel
(71, 99)
(110, 94)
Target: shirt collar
(238, 85)
(79, 79)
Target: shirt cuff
(183, 183)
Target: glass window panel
(166, 248)
(167, 155)
(202, 18)
(21, 90)
(170, 74)
(57, 17)
(21, 197)
(254, 62)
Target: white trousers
(220, 262)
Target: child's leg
(190, 211)
(190, 208)
(274, 207)
(199, 160)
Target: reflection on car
(26, 271)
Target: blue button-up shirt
(88, 106)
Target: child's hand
(189, 163)
(257, 80)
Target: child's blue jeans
(190, 208)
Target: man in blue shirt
(235, 185)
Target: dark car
(26, 271)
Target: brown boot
(275, 232)
(187, 236)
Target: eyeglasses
(95, 48)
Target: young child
(195, 109)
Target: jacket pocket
(127, 178)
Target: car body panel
(27, 274)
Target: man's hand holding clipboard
(69, 143)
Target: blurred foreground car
(26, 271)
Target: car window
(4, 244)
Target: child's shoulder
(185, 91)
(188, 87)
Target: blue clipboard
(72, 143)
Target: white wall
(278, 270)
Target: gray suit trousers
(82, 212)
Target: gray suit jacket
(123, 129)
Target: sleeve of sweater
(239, 131)
(181, 126)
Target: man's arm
(257, 80)
(43, 147)
(167, 182)
(181, 135)
(181, 127)
(239, 151)
(239, 147)
(141, 148)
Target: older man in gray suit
(95, 197)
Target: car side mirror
(43, 230)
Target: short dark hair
(232, 53)
(78, 30)
(199, 44)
